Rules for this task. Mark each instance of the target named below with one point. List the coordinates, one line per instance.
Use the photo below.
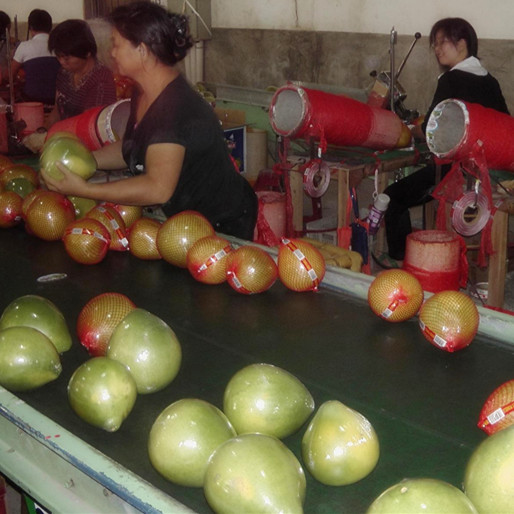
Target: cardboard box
(230, 118)
(324, 229)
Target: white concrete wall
(60, 10)
(491, 18)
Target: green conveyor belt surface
(423, 402)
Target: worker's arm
(15, 68)
(110, 157)
(155, 186)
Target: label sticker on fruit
(389, 310)
(432, 336)
(497, 415)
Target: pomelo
(48, 215)
(39, 313)
(254, 473)
(21, 186)
(498, 411)
(340, 446)
(102, 392)
(184, 436)
(207, 259)
(98, 319)
(86, 241)
(178, 233)
(301, 267)
(19, 171)
(395, 295)
(449, 320)
(149, 349)
(82, 205)
(267, 399)
(422, 496)
(129, 213)
(11, 205)
(72, 153)
(28, 359)
(142, 238)
(489, 475)
(251, 270)
(112, 220)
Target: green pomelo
(58, 135)
(72, 153)
(254, 473)
(82, 205)
(39, 313)
(102, 392)
(148, 347)
(266, 399)
(28, 359)
(340, 446)
(21, 186)
(489, 476)
(422, 496)
(184, 436)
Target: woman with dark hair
(173, 143)
(455, 44)
(82, 82)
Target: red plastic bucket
(32, 113)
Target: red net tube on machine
(457, 130)
(297, 112)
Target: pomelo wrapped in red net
(301, 267)
(498, 410)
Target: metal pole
(400, 68)
(9, 69)
(392, 71)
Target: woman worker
(173, 143)
(82, 82)
(455, 45)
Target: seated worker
(455, 45)
(39, 65)
(173, 144)
(5, 26)
(82, 81)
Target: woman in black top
(455, 45)
(173, 144)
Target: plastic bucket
(434, 257)
(32, 113)
(97, 126)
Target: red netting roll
(98, 126)
(457, 130)
(298, 112)
(437, 259)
